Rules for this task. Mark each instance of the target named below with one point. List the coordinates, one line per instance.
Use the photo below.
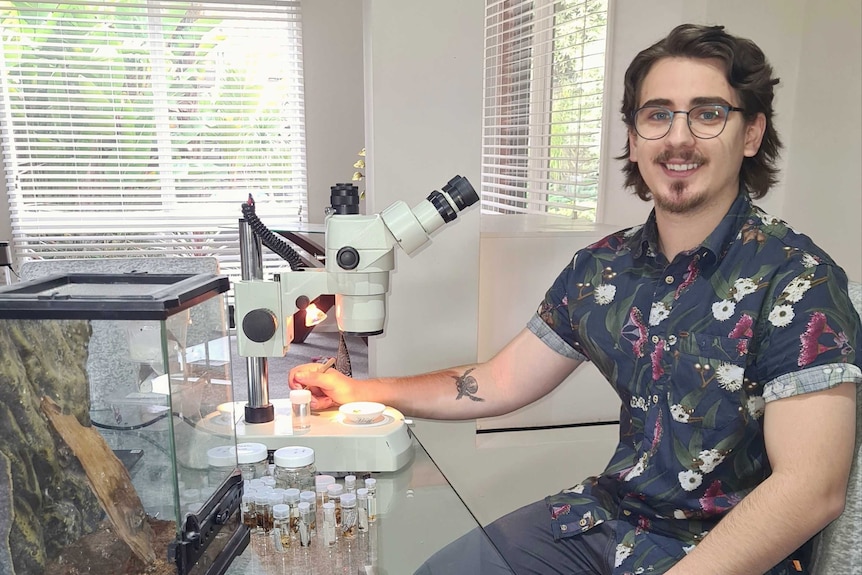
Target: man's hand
(329, 388)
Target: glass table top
(418, 514)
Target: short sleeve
(810, 335)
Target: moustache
(686, 157)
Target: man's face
(684, 173)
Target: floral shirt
(695, 348)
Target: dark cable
(269, 239)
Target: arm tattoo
(467, 385)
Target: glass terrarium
(104, 380)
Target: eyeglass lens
(654, 122)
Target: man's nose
(680, 132)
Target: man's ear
(633, 146)
(754, 131)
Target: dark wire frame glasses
(706, 121)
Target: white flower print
(688, 548)
(658, 313)
(638, 402)
(638, 469)
(723, 310)
(678, 514)
(679, 413)
(690, 480)
(605, 293)
(632, 231)
(769, 220)
(579, 488)
(623, 551)
(781, 315)
(756, 406)
(710, 459)
(742, 287)
(729, 376)
(810, 261)
(796, 289)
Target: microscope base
(339, 447)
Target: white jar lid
(300, 396)
(280, 511)
(222, 456)
(321, 481)
(250, 452)
(293, 456)
(348, 500)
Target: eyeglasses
(705, 122)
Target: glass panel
(418, 514)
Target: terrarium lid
(129, 296)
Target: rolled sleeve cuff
(552, 339)
(811, 379)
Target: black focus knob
(347, 258)
(259, 325)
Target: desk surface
(419, 513)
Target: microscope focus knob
(259, 325)
(347, 258)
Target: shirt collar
(644, 241)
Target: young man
(728, 336)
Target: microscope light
(313, 315)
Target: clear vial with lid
(348, 515)
(263, 508)
(249, 515)
(252, 459)
(334, 492)
(371, 486)
(291, 498)
(305, 521)
(221, 462)
(321, 482)
(362, 509)
(281, 528)
(300, 403)
(329, 524)
(310, 498)
(350, 483)
(294, 468)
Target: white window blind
(544, 80)
(133, 128)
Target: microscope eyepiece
(461, 192)
(344, 199)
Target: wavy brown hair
(748, 73)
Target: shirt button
(668, 280)
(563, 527)
(655, 339)
(626, 512)
(582, 522)
(655, 399)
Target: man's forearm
(769, 524)
(465, 392)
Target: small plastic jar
(294, 468)
(221, 462)
(252, 459)
(300, 401)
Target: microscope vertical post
(258, 407)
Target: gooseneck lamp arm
(359, 258)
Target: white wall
(334, 96)
(823, 195)
(423, 125)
